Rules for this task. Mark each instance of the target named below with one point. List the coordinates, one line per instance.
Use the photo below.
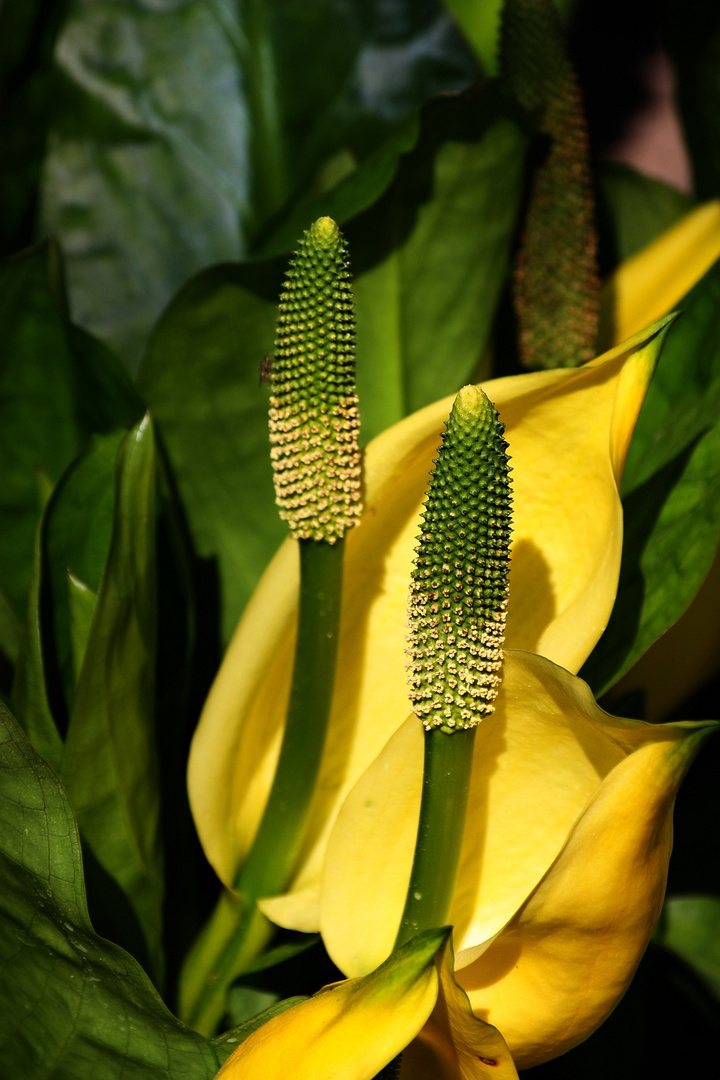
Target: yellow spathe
(568, 433)
(351, 1030)
(654, 280)
(564, 862)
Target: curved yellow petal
(566, 958)
(454, 1044)
(537, 763)
(348, 1031)
(653, 281)
(568, 431)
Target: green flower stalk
(458, 601)
(314, 424)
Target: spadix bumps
(314, 418)
(458, 594)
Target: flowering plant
(174, 154)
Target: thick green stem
(271, 860)
(446, 787)
(237, 931)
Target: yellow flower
(568, 433)
(351, 1030)
(564, 860)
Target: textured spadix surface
(458, 591)
(314, 419)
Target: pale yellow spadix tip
(469, 399)
(324, 231)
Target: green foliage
(690, 928)
(693, 41)
(57, 386)
(77, 1005)
(176, 151)
(637, 208)
(180, 135)
(671, 489)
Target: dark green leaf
(692, 38)
(671, 490)
(73, 1005)
(432, 257)
(109, 765)
(57, 386)
(81, 603)
(27, 35)
(343, 199)
(181, 130)
(37, 414)
(690, 927)
(77, 530)
(201, 380)
(639, 207)
(29, 697)
(9, 629)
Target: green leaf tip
(458, 593)
(314, 418)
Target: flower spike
(314, 418)
(458, 594)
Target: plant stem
(237, 931)
(446, 787)
(271, 859)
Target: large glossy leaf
(637, 207)
(429, 262)
(432, 257)
(72, 1004)
(77, 530)
(181, 130)
(671, 489)
(57, 385)
(201, 380)
(109, 764)
(690, 927)
(37, 416)
(29, 696)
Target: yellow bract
(655, 279)
(568, 433)
(351, 1030)
(563, 869)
